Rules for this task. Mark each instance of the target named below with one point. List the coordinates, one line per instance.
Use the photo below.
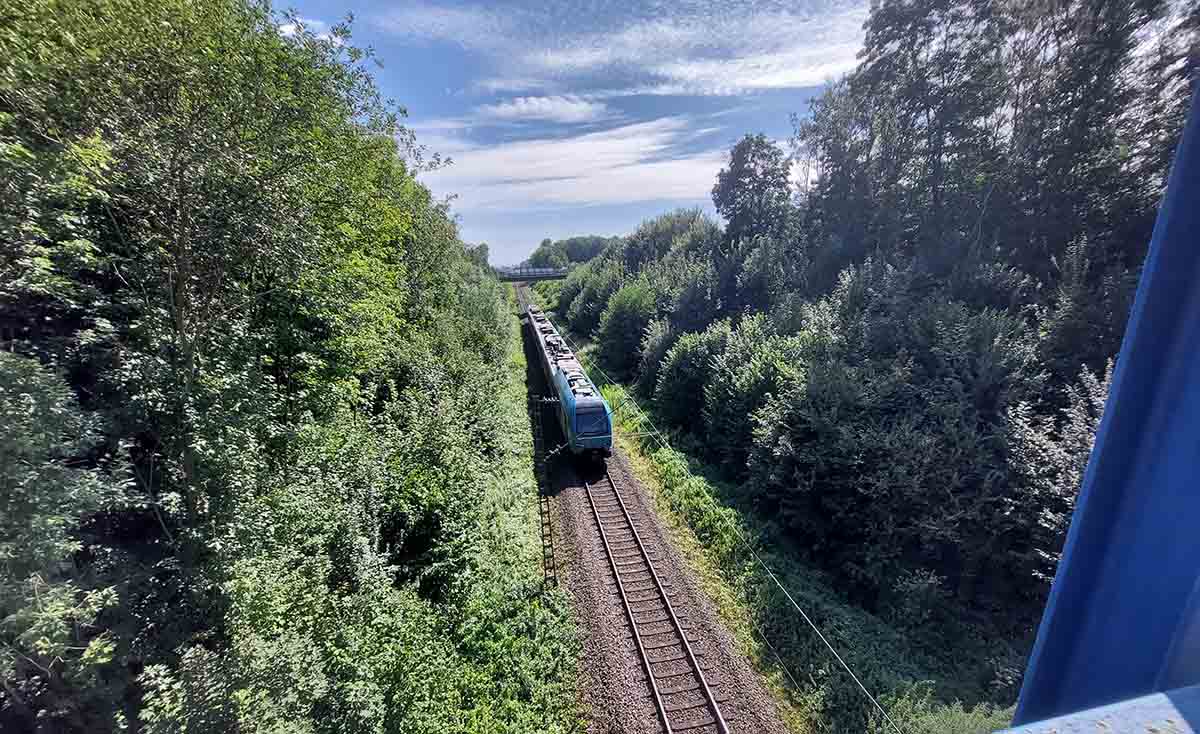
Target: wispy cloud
(472, 27)
(511, 84)
(562, 109)
(544, 123)
(628, 163)
(708, 47)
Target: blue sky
(588, 116)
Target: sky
(585, 117)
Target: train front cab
(592, 428)
(586, 421)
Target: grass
(516, 612)
(919, 673)
(814, 694)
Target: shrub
(604, 276)
(54, 652)
(683, 374)
(657, 340)
(741, 379)
(621, 327)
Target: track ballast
(674, 671)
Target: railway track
(674, 671)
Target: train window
(591, 422)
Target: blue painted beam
(1123, 618)
(1173, 712)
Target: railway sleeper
(665, 643)
(628, 590)
(655, 604)
(653, 594)
(660, 642)
(690, 701)
(663, 618)
(661, 645)
(684, 686)
(641, 586)
(668, 655)
(693, 727)
(661, 628)
(675, 670)
(658, 594)
(626, 554)
(639, 561)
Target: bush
(56, 656)
(626, 317)
(683, 374)
(657, 340)
(915, 711)
(891, 395)
(742, 378)
(603, 277)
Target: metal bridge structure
(1118, 649)
(527, 274)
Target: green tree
(753, 193)
(625, 318)
(683, 374)
(51, 641)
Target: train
(582, 412)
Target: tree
(255, 393)
(626, 317)
(753, 193)
(50, 639)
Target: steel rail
(658, 703)
(710, 698)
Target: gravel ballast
(613, 682)
(616, 692)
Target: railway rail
(682, 694)
(684, 698)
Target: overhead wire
(655, 433)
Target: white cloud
(527, 84)
(565, 109)
(630, 163)
(800, 67)
(309, 24)
(708, 47)
(471, 27)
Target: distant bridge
(511, 275)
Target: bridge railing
(528, 273)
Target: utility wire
(745, 541)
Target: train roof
(583, 390)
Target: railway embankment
(655, 651)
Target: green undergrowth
(922, 685)
(524, 631)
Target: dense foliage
(915, 665)
(568, 252)
(902, 340)
(261, 465)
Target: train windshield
(591, 422)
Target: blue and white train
(583, 414)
